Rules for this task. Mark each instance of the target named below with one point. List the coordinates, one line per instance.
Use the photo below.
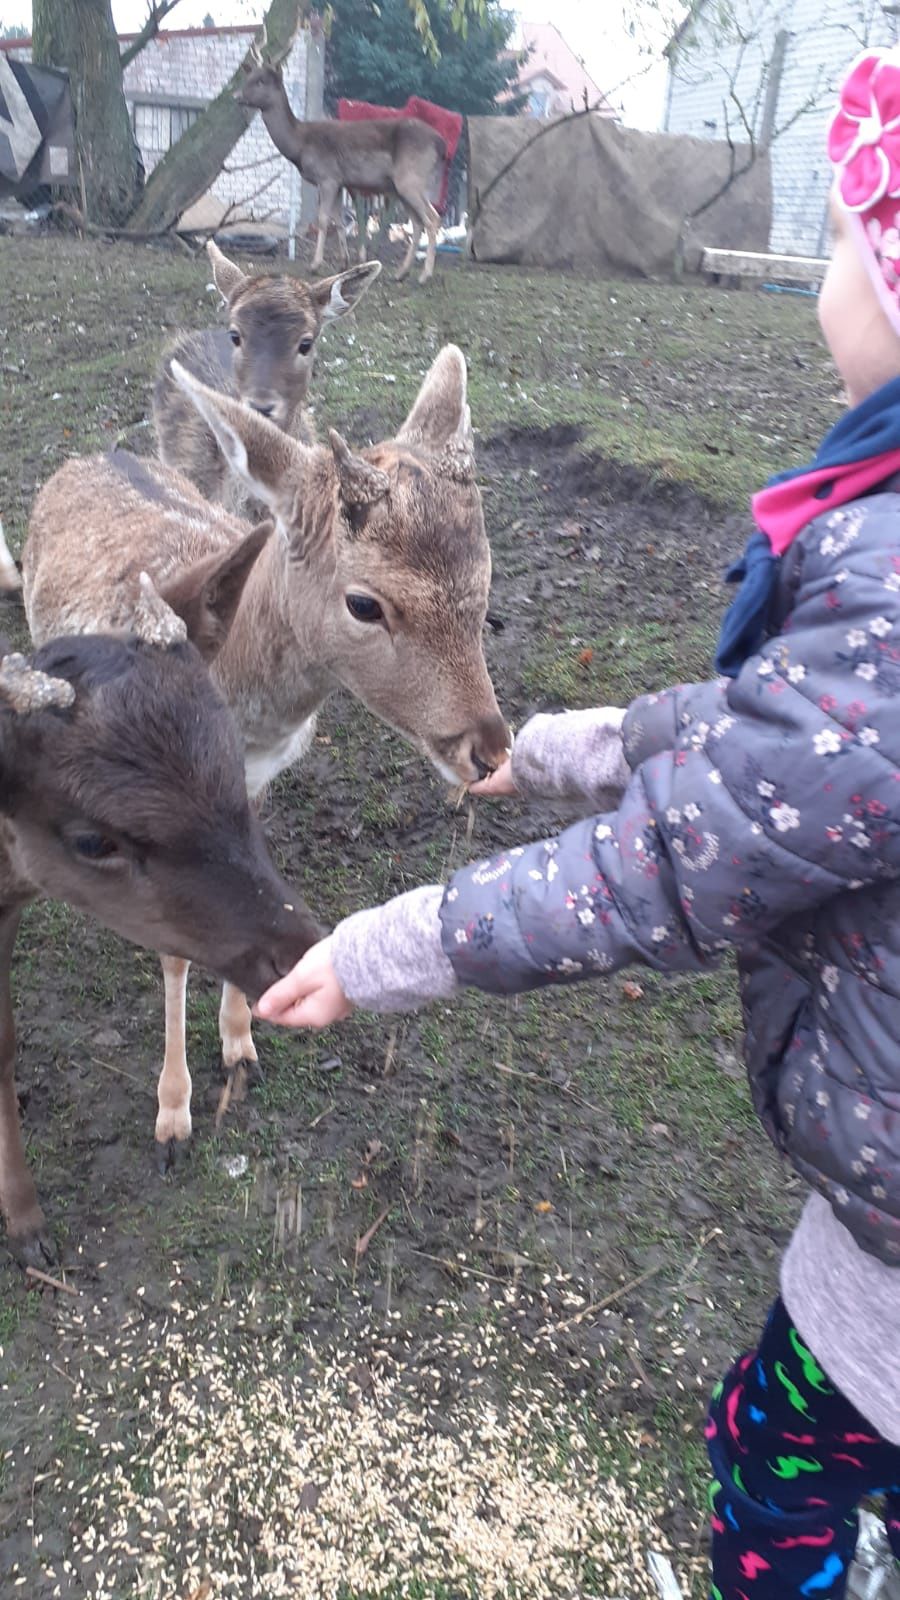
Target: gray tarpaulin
(37, 128)
(588, 193)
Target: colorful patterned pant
(792, 1460)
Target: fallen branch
(97, 230)
(37, 1276)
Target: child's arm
(780, 792)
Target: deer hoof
(245, 1074)
(171, 1155)
(34, 1249)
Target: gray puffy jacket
(764, 814)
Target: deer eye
(305, 346)
(234, 336)
(95, 846)
(364, 608)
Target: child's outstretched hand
(309, 997)
(498, 786)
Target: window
(158, 126)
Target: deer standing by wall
(122, 792)
(377, 580)
(402, 158)
(264, 357)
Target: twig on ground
(610, 1299)
(37, 1276)
(707, 1238)
(121, 1073)
(456, 1268)
(362, 1244)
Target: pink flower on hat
(864, 138)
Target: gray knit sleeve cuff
(390, 958)
(577, 755)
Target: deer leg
(413, 247)
(329, 210)
(18, 1195)
(173, 1122)
(432, 223)
(235, 1032)
(362, 228)
(343, 241)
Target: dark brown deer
(403, 158)
(376, 580)
(264, 357)
(122, 792)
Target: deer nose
(490, 743)
(264, 410)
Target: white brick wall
(825, 36)
(186, 70)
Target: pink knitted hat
(864, 145)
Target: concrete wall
(825, 35)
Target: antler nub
(457, 459)
(153, 621)
(361, 483)
(25, 689)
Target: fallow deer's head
(122, 787)
(262, 86)
(274, 323)
(388, 562)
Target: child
(761, 811)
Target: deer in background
(402, 158)
(376, 580)
(122, 792)
(264, 357)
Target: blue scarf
(855, 458)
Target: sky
(594, 31)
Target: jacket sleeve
(768, 794)
(574, 755)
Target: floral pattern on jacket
(763, 813)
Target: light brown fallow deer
(402, 158)
(264, 357)
(376, 580)
(122, 792)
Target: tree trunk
(194, 163)
(79, 37)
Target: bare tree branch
(159, 10)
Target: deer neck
(267, 670)
(284, 129)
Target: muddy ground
(577, 1173)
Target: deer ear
(206, 595)
(361, 484)
(269, 461)
(227, 277)
(336, 296)
(440, 414)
